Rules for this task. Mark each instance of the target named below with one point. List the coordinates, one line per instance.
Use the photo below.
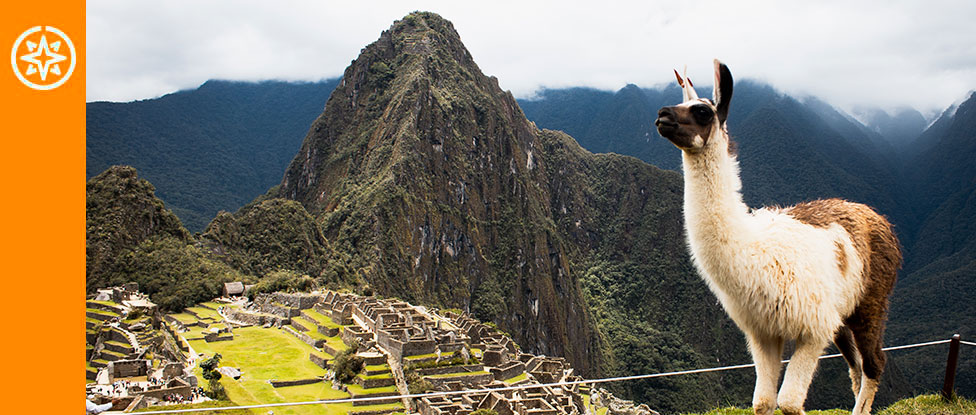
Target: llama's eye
(702, 114)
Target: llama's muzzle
(666, 124)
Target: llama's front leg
(767, 353)
(799, 374)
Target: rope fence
(528, 386)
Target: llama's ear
(722, 94)
(681, 82)
(687, 88)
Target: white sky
(848, 53)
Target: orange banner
(43, 175)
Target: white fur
(777, 278)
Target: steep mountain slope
(122, 211)
(429, 177)
(247, 131)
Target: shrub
(347, 364)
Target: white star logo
(43, 58)
(38, 51)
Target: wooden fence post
(950, 374)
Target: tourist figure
(92, 408)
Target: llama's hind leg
(869, 344)
(844, 339)
(767, 353)
(799, 374)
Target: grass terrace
(457, 374)
(215, 305)
(378, 368)
(421, 357)
(184, 318)
(118, 343)
(321, 319)
(264, 354)
(206, 313)
(105, 303)
(98, 311)
(519, 378)
(357, 390)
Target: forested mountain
(213, 148)
(131, 236)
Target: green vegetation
(930, 405)
(919, 405)
(174, 274)
(210, 404)
(415, 382)
(357, 390)
(518, 378)
(268, 236)
(460, 374)
(321, 319)
(347, 364)
(210, 373)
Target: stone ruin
(601, 398)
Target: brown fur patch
(841, 257)
(878, 247)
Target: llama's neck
(715, 216)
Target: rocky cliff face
(432, 180)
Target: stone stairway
(130, 335)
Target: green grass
(102, 312)
(210, 404)
(522, 376)
(108, 303)
(118, 343)
(428, 356)
(116, 354)
(213, 304)
(452, 375)
(204, 313)
(321, 319)
(919, 405)
(386, 375)
(930, 405)
(305, 324)
(336, 343)
(378, 368)
(311, 392)
(744, 411)
(357, 390)
(264, 354)
(184, 318)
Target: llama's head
(698, 123)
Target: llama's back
(874, 240)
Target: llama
(814, 272)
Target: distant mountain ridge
(213, 148)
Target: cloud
(886, 54)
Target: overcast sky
(849, 53)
